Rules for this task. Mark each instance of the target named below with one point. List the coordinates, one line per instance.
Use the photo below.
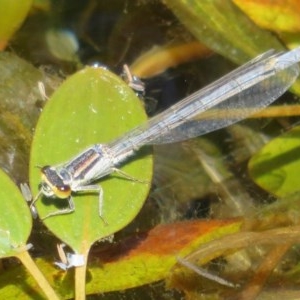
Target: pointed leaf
(92, 106)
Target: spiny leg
(99, 190)
(71, 208)
(64, 211)
(128, 176)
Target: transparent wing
(245, 90)
(233, 109)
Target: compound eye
(59, 191)
(62, 191)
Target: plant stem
(80, 276)
(30, 265)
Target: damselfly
(247, 89)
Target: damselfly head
(52, 185)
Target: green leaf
(221, 26)
(276, 166)
(12, 14)
(15, 221)
(92, 106)
(224, 28)
(278, 16)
